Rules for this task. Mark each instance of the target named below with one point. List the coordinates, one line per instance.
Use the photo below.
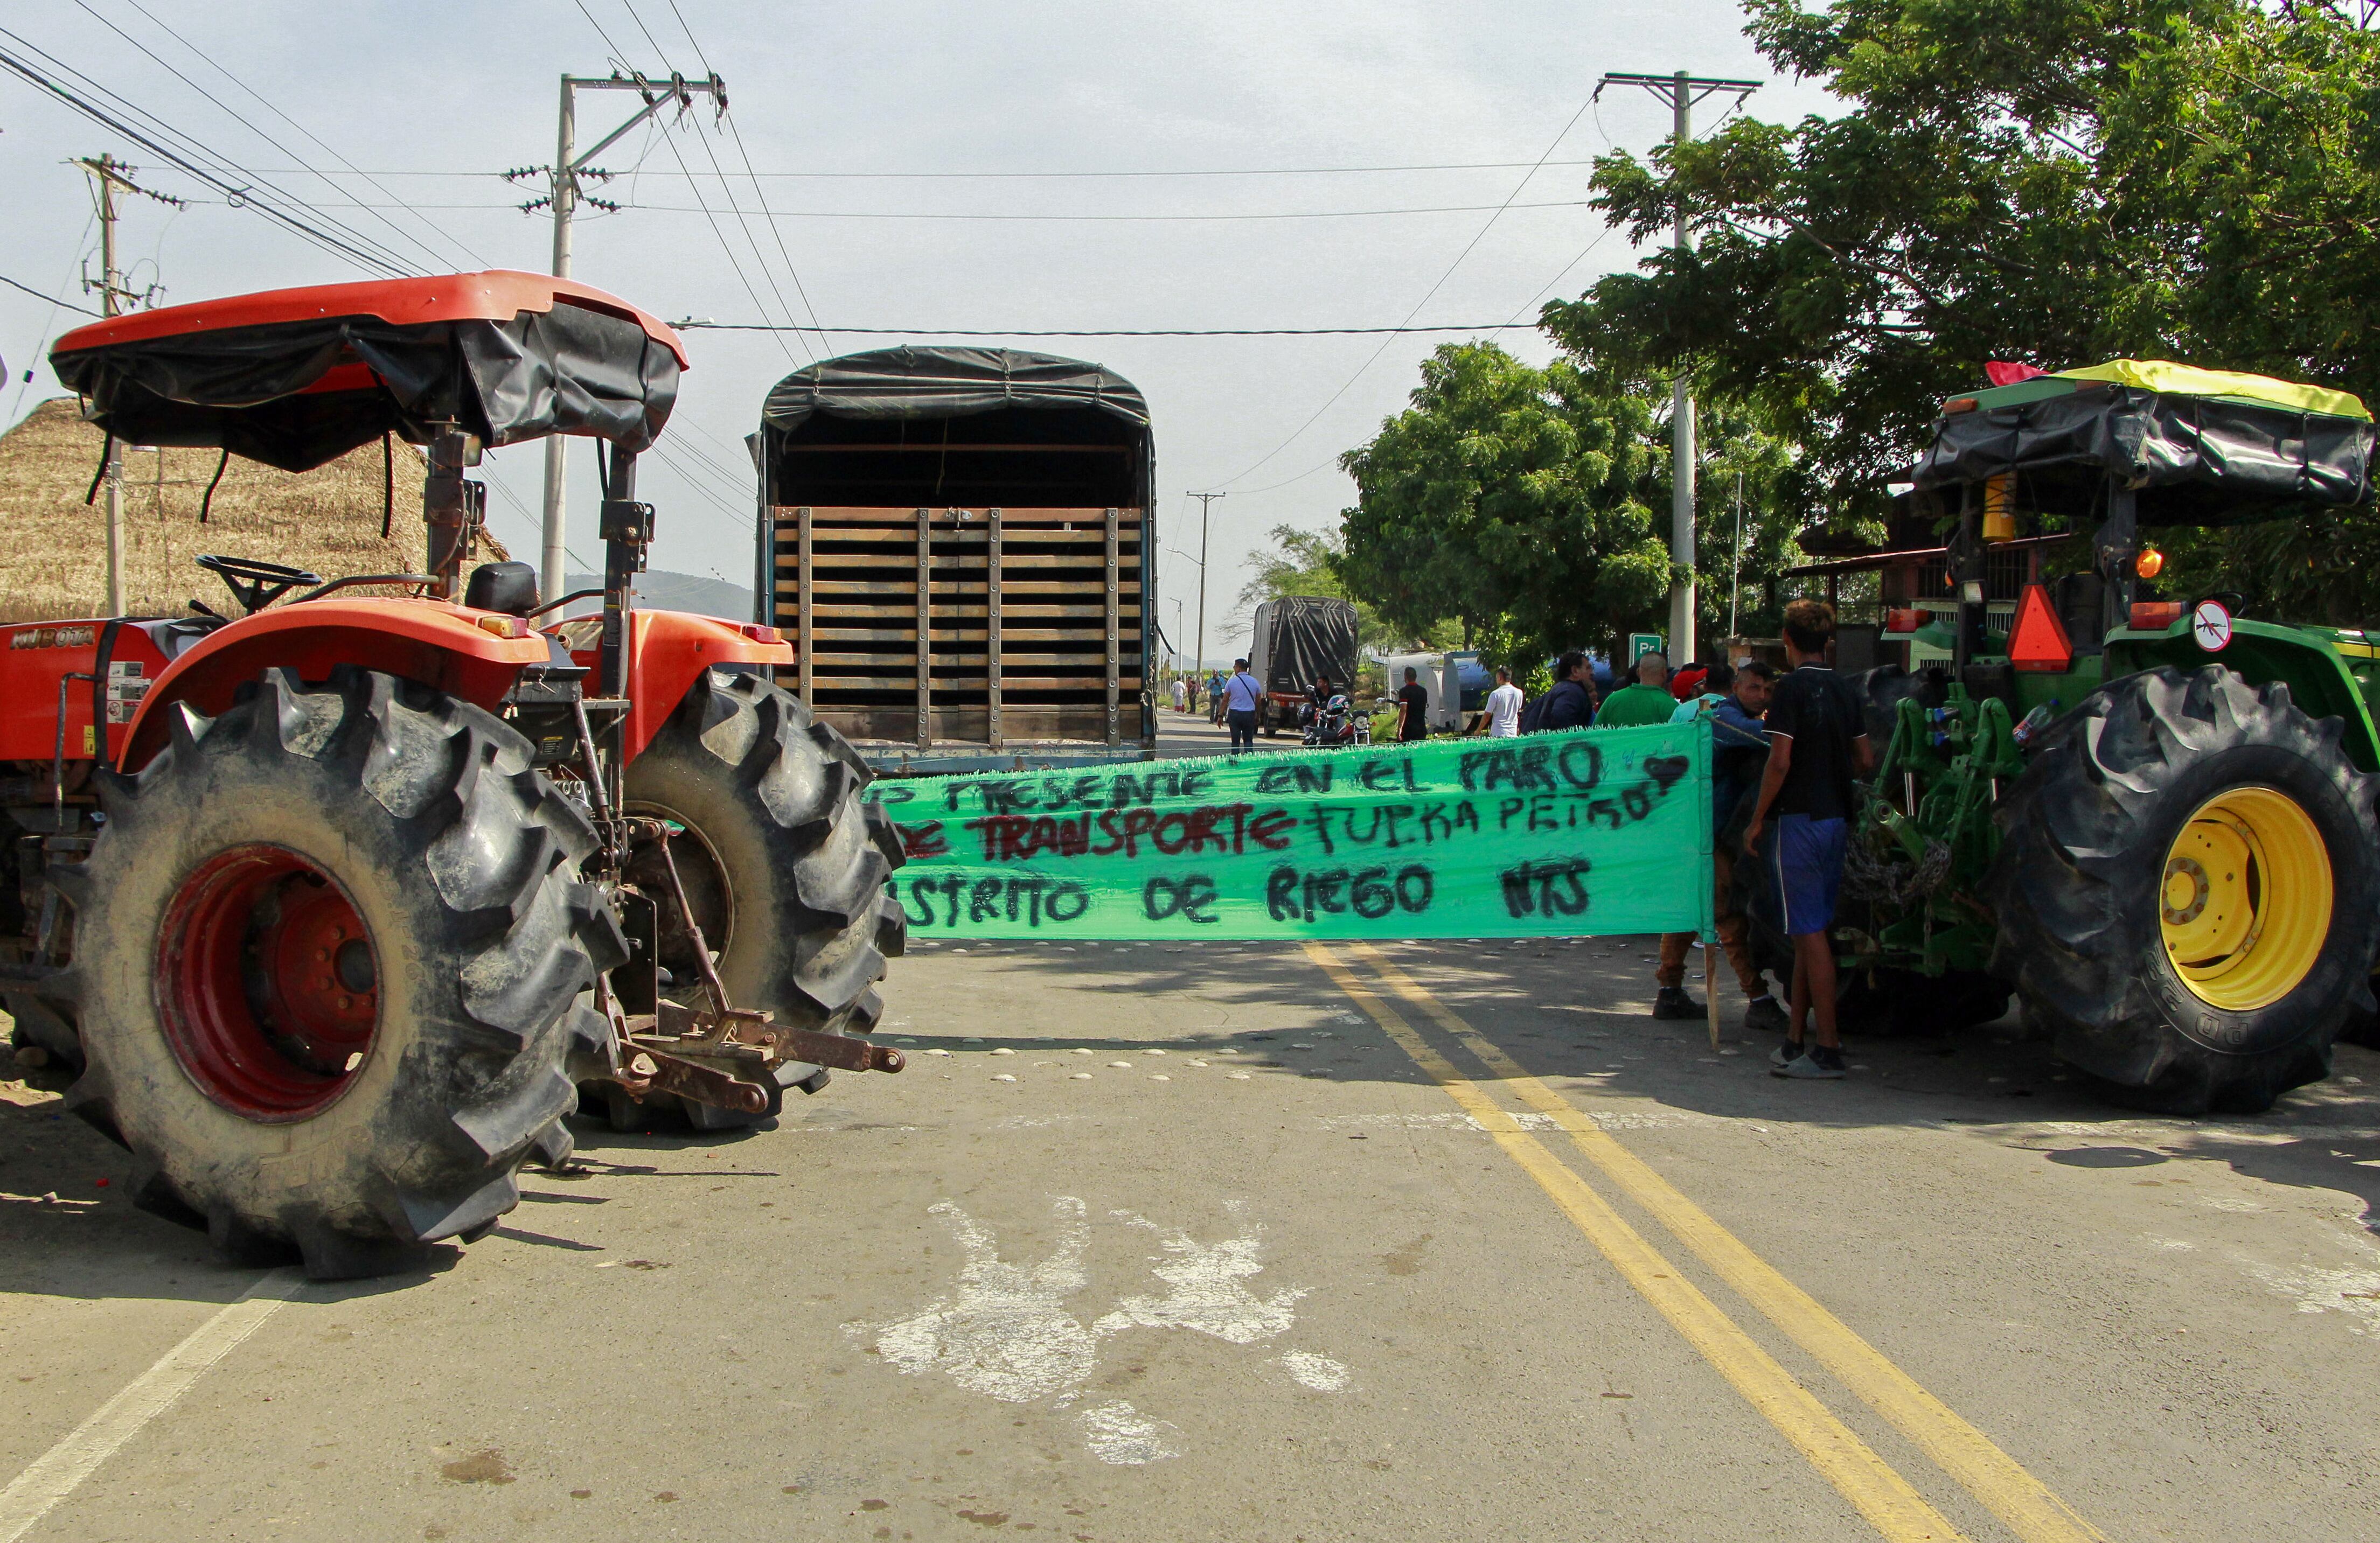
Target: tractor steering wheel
(256, 584)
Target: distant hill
(677, 591)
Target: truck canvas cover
(2200, 447)
(1298, 640)
(295, 378)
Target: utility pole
(563, 195)
(1205, 500)
(110, 177)
(1682, 91)
(1736, 569)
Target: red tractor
(337, 905)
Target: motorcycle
(1336, 726)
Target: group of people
(1791, 744)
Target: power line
(323, 177)
(728, 192)
(39, 295)
(236, 116)
(774, 215)
(1426, 297)
(339, 241)
(1099, 332)
(735, 129)
(1068, 175)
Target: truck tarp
(2194, 459)
(1298, 640)
(947, 383)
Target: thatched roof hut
(53, 547)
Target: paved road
(1273, 1243)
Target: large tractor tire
(2188, 891)
(783, 867)
(329, 948)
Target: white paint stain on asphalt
(2354, 1289)
(1319, 1372)
(1006, 1332)
(1209, 1293)
(1118, 1433)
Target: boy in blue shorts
(1818, 743)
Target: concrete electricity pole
(1205, 500)
(110, 177)
(563, 195)
(1682, 91)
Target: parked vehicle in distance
(1296, 641)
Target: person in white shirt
(1503, 707)
(1181, 695)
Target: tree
(1517, 501)
(2052, 181)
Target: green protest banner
(1593, 830)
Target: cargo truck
(956, 540)
(1294, 641)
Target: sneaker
(1823, 1063)
(1785, 1054)
(1671, 1002)
(1765, 1015)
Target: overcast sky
(856, 112)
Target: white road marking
(59, 1471)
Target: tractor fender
(435, 642)
(668, 650)
(2320, 684)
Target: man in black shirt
(1413, 708)
(1571, 704)
(1818, 743)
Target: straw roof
(53, 547)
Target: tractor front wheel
(783, 866)
(2188, 891)
(329, 948)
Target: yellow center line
(1889, 1501)
(2030, 1508)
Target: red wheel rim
(267, 983)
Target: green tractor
(2151, 818)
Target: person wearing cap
(1241, 697)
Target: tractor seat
(510, 587)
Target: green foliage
(2052, 181)
(1533, 506)
(1518, 501)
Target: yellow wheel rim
(2245, 899)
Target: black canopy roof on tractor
(965, 427)
(295, 378)
(2198, 447)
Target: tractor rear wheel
(2188, 891)
(783, 867)
(329, 948)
